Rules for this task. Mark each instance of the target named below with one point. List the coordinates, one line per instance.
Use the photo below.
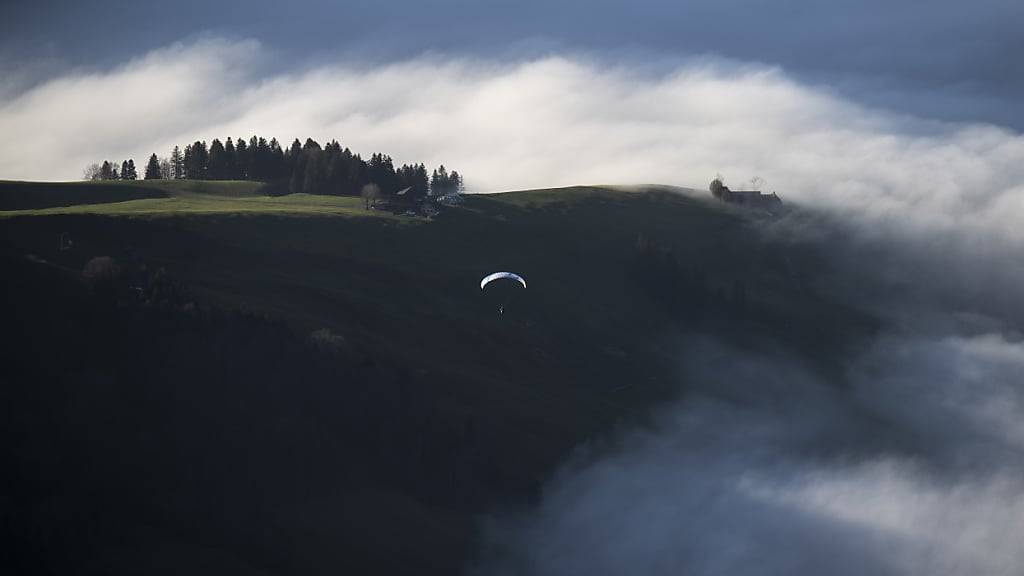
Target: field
(589, 347)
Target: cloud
(915, 56)
(544, 122)
(59, 126)
(918, 474)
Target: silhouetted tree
(276, 169)
(231, 171)
(216, 167)
(381, 171)
(153, 169)
(196, 158)
(242, 159)
(304, 167)
(442, 183)
(177, 164)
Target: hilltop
(349, 342)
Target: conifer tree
(242, 159)
(230, 161)
(153, 169)
(177, 164)
(216, 167)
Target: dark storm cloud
(943, 58)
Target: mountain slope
(368, 336)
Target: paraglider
(497, 275)
(507, 278)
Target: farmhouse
(751, 198)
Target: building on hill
(405, 201)
(752, 198)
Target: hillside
(352, 342)
(16, 195)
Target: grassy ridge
(16, 195)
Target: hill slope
(367, 336)
(40, 195)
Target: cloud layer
(545, 122)
(929, 57)
(918, 471)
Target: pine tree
(177, 164)
(216, 167)
(124, 170)
(263, 157)
(277, 169)
(422, 182)
(196, 162)
(439, 182)
(230, 161)
(336, 172)
(304, 167)
(107, 171)
(291, 156)
(132, 174)
(254, 167)
(187, 161)
(242, 159)
(153, 169)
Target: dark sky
(945, 59)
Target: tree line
(301, 168)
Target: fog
(549, 121)
(912, 466)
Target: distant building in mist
(752, 198)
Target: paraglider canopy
(498, 275)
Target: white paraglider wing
(498, 275)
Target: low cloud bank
(558, 120)
(913, 468)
